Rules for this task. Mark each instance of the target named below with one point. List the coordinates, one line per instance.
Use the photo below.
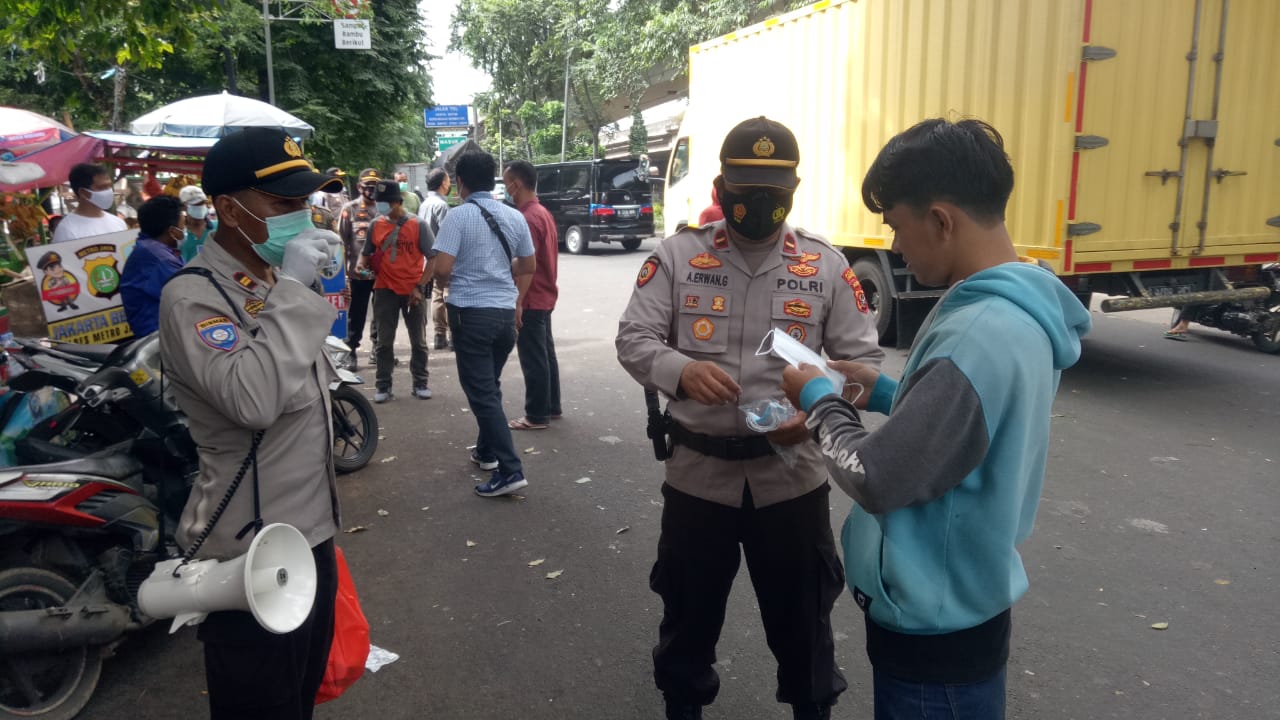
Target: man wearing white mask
(92, 187)
(198, 226)
(242, 332)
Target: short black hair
(158, 214)
(959, 162)
(476, 169)
(83, 175)
(436, 178)
(524, 172)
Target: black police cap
(760, 151)
(262, 159)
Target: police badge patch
(647, 271)
(218, 333)
(859, 295)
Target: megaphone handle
(250, 459)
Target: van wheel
(631, 244)
(574, 241)
(879, 296)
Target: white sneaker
(381, 397)
(422, 393)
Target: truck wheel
(631, 244)
(574, 242)
(1268, 341)
(51, 685)
(879, 295)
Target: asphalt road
(1159, 506)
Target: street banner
(79, 284)
(334, 280)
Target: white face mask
(104, 199)
(197, 212)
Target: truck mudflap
(1208, 297)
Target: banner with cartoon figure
(79, 283)
(333, 279)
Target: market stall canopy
(213, 116)
(28, 138)
(449, 158)
(149, 153)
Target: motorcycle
(355, 424)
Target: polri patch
(797, 332)
(802, 270)
(797, 308)
(859, 295)
(717, 303)
(703, 329)
(245, 281)
(218, 333)
(704, 261)
(254, 305)
(810, 257)
(691, 301)
(647, 271)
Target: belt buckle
(736, 447)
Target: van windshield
(622, 185)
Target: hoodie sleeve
(935, 437)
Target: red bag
(350, 646)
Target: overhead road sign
(447, 116)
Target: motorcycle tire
(50, 685)
(355, 430)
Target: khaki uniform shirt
(696, 298)
(259, 367)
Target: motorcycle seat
(96, 353)
(115, 466)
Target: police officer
(353, 226)
(242, 338)
(701, 306)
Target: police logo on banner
(218, 333)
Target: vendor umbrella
(23, 132)
(30, 142)
(213, 116)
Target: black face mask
(757, 214)
(367, 192)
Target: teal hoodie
(948, 487)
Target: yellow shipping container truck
(1144, 134)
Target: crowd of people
(944, 490)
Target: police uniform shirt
(698, 298)
(259, 365)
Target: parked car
(598, 201)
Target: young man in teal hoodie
(948, 486)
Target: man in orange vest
(398, 251)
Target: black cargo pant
(791, 555)
(254, 674)
(358, 311)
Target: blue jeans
(902, 700)
(537, 351)
(482, 341)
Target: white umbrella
(213, 116)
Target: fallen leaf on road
(536, 563)
(471, 543)
(583, 480)
(382, 437)
(504, 622)
(383, 513)
(356, 529)
(529, 450)
(1220, 581)
(389, 458)
(1160, 626)
(1164, 460)
(622, 529)
(554, 574)
(611, 439)
(426, 507)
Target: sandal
(1179, 336)
(524, 423)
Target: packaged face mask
(764, 416)
(795, 353)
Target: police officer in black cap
(701, 306)
(242, 332)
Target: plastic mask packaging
(795, 353)
(767, 415)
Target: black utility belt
(735, 447)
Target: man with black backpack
(485, 252)
(398, 251)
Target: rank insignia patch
(703, 261)
(810, 257)
(717, 303)
(253, 306)
(797, 331)
(789, 245)
(647, 271)
(802, 270)
(218, 333)
(797, 308)
(703, 329)
(859, 295)
(245, 281)
(691, 301)
(722, 240)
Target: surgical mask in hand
(197, 212)
(104, 199)
(795, 353)
(281, 229)
(383, 208)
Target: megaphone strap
(249, 459)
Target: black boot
(677, 711)
(811, 711)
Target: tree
(638, 139)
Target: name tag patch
(218, 333)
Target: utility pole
(564, 122)
(266, 31)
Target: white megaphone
(275, 580)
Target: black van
(597, 201)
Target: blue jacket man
(155, 258)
